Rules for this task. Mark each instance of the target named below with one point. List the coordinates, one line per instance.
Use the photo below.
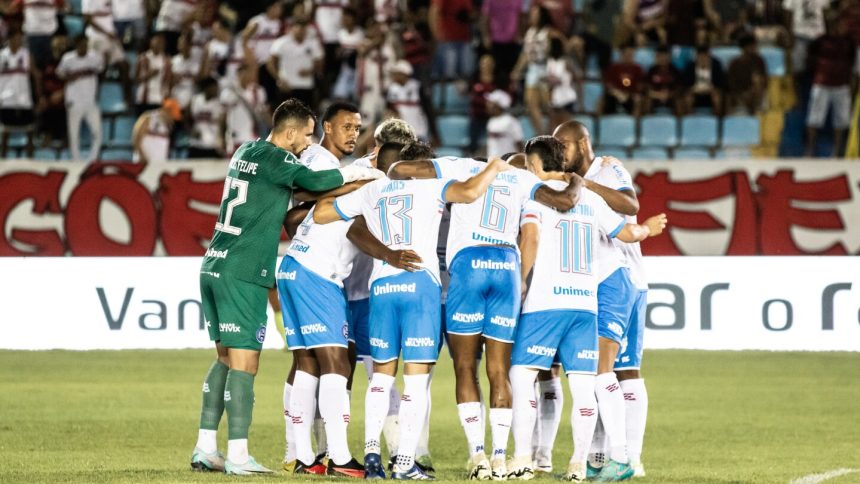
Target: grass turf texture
(131, 416)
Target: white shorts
(822, 98)
(109, 47)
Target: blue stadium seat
(698, 130)
(588, 121)
(76, 6)
(740, 130)
(45, 154)
(692, 154)
(526, 124)
(658, 130)
(617, 130)
(449, 151)
(617, 152)
(725, 54)
(644, 56)
(448, 99)
(592, 68)
(74, 25)
(651, 153)
(682, 55)
(592, 93)
(111, 99)
(116, 154)
(120, 133)
(453, 130)
(774, 58)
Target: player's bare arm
(360, 235)
(324, 212)
(308, 196)
(405, 170)
(562, 200)
(470, 190)
(639, 232)
(294, 217)
(622, 201)
(528, 243)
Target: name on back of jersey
(504, 176)
(243, 166)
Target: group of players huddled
(540, 268)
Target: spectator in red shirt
(478, 115)
(747, 78)
(622, 85)
(451, 24)
(51, 107)
(664, 81)
(831, 61)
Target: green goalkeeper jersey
(257, 191)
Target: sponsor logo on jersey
(227, 396)
(489, 240)
(420, 342)
(615, 328)
(541, 350)
(261, 335)
(229, 328)
(205, 387)
(389, 288)
(494, 265)
(216, 275)
(587, 355)
(313, 328)
(216, 254)
(467, 317)
(508, 177)
(286, 276)
(582, 209)
(572, 291)
(504, 322)
(243, 166)
(378, 343)
(299, 247)
(393, 186)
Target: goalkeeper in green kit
(239, 268)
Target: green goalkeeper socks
(239, 400)
(213, 396)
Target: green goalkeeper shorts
(235, 311)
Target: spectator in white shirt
(129, 18)
(327, 18)
(183, 69)
(40, 23)
(152, 76)
(350, 38)
(404, 98)
(17, 75)
(80, 69)
(152, 132)
(261, 32)
(98, 15)
(173, 16)
(247, 109)
(504, 132)
(294, 60)
(207, 122)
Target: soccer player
(404, 306)
(559, 312)
(237, 270)
(621, 309)
(484, 292)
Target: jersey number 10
(404, 235)
(575, 246)
(241, 187)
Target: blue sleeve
(340, 212)
(437, 168)
(445, 190)
(534, 190)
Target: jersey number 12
(241, 187)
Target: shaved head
(577, 146)
(573, 129)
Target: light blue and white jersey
(566, 267)
(403, 215)
(492, 219)
(613, 253)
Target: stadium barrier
(703, 303)
(734, 207)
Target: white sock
(524, 408)
(550, 405)
(636, 409)
(424, 439)
(483, 415)
(471, 418)
(334, 407)
(391, 427)
(583, 415)
(302, 410)
(537, 429)
(500, 429)
(319, 430)
(207, 441)
(413, 408)
(598, 443)
(290, 453)
(237, 451)
(376, 403)
(611, 404)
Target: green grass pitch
(131, 416)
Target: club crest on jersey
(261, 335)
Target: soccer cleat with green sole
(246, 469)
(201, 461)
(615, 471)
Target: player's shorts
(314, 309)
(630, 354)
(359, 319)
(569, 335)
(405, 315)
(616, 296)
(235, 311)
(484, 293)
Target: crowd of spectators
(227, 64)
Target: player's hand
(500, 165)
(656, 224)
(404, 259)
(610, 161)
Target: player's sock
(524, 406)
(302, 403)
(318, 429)
(611, 404)
(598, 443)
(424, 439)
(212, 407)
(550, 405)
(334, 407)
(636, 409)
(239, 403)
(290, 453)
(471, 420)
(413, 408)
(376, 403)
(391, 425)
(583, 415)
(536, 433)
(500, 429)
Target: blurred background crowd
(653, 79)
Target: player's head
(576, 142)
(417, 151)
(748, 44)
(209, 87)
(394, 130)
(156, 43)
(544, 154)
(275, 10)
(389, 153)
(81, 45)
(517, 160)
(400, 71)
(341, 123)
(349, 18)
(16, 39)
(498, 102)
(292, 126)
(299, 28)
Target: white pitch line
(816, 478)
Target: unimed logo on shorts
(287, 276)
(378, 343)
(615, 328)
(541, 350)
(502, 321)
(314, 328)
(467, 317)
(420, 342)
(587, 355)
(229, 328)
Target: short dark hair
(508, 155)
(337, 107)
(746, 41)
(417, 151)
(549, 150)
(662, 49)
(388, 154)
(291, 110)
(206, 83)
